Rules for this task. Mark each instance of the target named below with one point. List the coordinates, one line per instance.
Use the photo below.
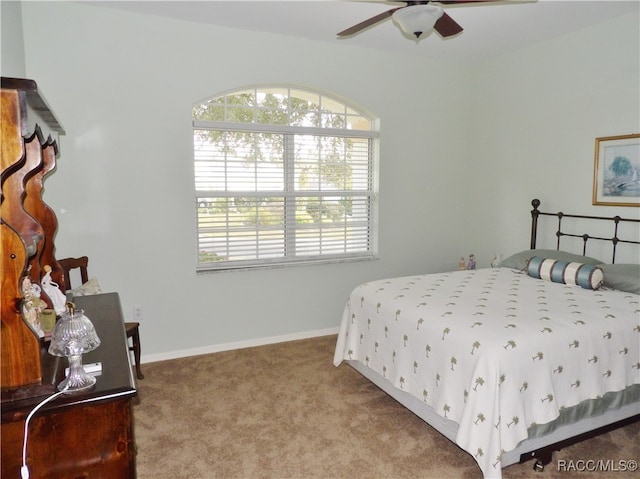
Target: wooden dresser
(85, 434)
(88, 434)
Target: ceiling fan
(416, 18)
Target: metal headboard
(535, 213)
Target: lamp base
(77, 383)
(77, 379)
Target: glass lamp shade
(72, 336)
(417, 19)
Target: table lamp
(72, 336)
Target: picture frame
(616, 172)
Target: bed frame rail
(616, 220)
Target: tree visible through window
(282, 175)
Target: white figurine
(52, 290)
(32, 305)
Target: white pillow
(87, 289)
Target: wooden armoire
(28, 224)
(86, 434)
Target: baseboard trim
(217, 348)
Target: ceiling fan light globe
(417, 20)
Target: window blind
(268, 195)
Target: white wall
(537, 115)
(123, 85)
(12, 57)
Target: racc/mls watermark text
(597, 465)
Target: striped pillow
(587, 276)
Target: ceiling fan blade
(367, 23)
(447, 26)
(453, 2)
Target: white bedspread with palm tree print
(493, 349)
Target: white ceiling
(489, 29)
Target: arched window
(282, 175)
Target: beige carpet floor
(284, 411)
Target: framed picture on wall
(616, 176)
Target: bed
(510, 362)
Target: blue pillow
(584, 275)
(521, 259)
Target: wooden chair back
(131, 328)
(68, 264)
